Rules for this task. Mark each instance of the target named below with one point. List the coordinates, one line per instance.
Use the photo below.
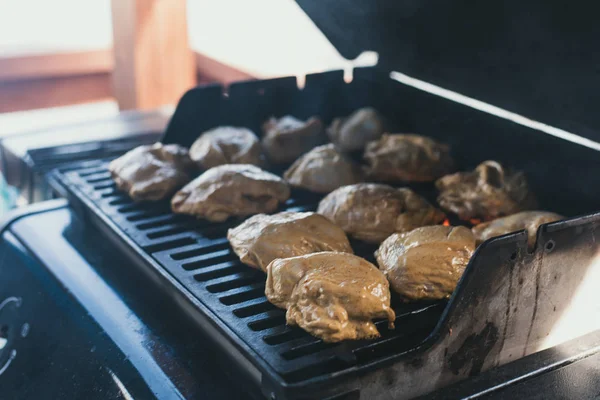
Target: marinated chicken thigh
(333, 296)
(528, 220)
(427, 262)
(287, 138)
(407, 158)
(227, 145)
(231, 190)
(372, 212)
(152, 172)
(322, 170)
(263, 238)
(355, 131)
(488, 192)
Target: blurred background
(67, 63)
(65, 52)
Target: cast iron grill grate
(197, 254)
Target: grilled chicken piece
(263, 238)
(288, 138)
(231, 190)
(322, 170)
(372, 211)
(407, 158)
(426, 263)
(355, 131)
(333, 296)
(152, 172)
(488, 192)
(529, 220)
(227, 145)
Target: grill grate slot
(312, 347)
(242, 296)
(96, 178)
(254, 309)
(287, 335)
(109, 193)
(160, 221)
(142, 215)
(167, 231)
(221, 245)
(104, 185)
(276, 318)
(85, 172)
(233, 282)
(120, 201)
(170, 244)
(219, 271)
(207, 260)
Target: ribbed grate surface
(198, 255)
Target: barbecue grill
(512, 300)
(505, 305)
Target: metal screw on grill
(550, 246)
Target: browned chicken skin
(287, 138)
(426, 263)
(372, 212)
(152, 172)
(407, 158)
(227, 145)
(528, 220)
(488, 192)
(262, 238)
(322, 170)
(231, 190)
(355, 131)
(333, 296)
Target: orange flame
(446, 222)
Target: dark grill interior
(198, 255)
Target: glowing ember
(475, 221)
(446, 222)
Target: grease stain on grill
(474, 351)
(417, 362)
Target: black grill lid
(536, 58)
